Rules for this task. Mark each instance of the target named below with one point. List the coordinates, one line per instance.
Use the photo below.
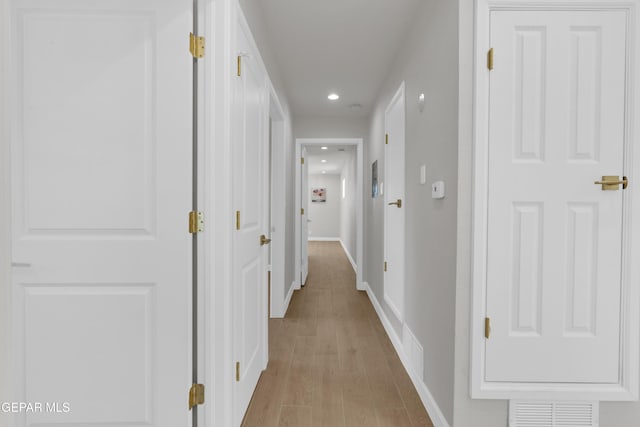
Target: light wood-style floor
(330, 360)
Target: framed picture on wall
(374, 179)
(319, 195)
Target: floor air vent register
(552, 414)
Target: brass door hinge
(301, 211)
(385, 266)
(239, 65)
(237, 220)
(237, 371)
(487, 327)
(490, 59)
(196, 46)
(196, 395)
(302, 160)
(386, 138)
(196, 222)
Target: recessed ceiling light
(324, 171)
(324, 148)
(333, 97)
(323, 161)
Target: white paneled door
(249, 140)
(101, 187)
(557, 125)
(394, 226)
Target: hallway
(330, 360)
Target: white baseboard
(287, 300)
(353, 263)
(285, 305)
(423, 391)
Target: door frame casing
(5, 207)
(627, 388)
(358, 143)
(219, 377)
(207, 18)
(280, 123)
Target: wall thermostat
(437, 190)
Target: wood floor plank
(375, 358)
(331, 362)
(329, 379)
(327, 408)
(359, 409)
(295, 416)
(325, 308)
(327, 414)
(415, 409)
(264, 408)
(302, 380)
(417, 414)
(383, 388)
(349, 352)
(308, 326)
(303, 346)
(390, 416)
(326, 342)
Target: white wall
(348, 205)
(431, 139)
(330, 127)
(325, 216)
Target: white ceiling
(335, 159)
(342, 46)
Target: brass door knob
(612, 182)
(398, 203)
(264, 240)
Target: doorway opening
(310, 148)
